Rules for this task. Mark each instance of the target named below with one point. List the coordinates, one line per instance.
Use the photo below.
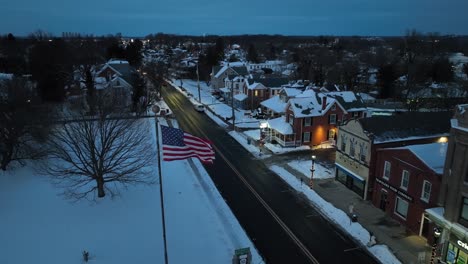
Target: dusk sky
(198, 17)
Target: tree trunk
(100, 187)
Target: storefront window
(455, 255)
(464, 212)
(401, 207)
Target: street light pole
(312, 169)
(436, 234)
(232, 106)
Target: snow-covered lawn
(39, 226)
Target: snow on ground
(222, 109)
(39, 226)
(382, 252)
(304, 166)
(277, 149)
(335, 215)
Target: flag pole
(161, 192)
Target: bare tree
(20, 123)
(156, 72)
(97, 155)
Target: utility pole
(232, 107)
(198, 82)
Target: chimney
(324, 102)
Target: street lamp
(312, 169)
(437, 233)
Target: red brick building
(311, 118)
(407, 182)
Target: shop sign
(462, 244)
(394, 189)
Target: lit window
(401, 207)
(387, 168)
(426, 191)
(405, 180)
(306, 137)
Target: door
(349, 182)
(383, 200)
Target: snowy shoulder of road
(40, 226)
(339, 217)
(304, 166)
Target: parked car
(199, 107)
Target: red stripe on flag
(192, 146)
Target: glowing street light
(312, 169)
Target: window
(352, 150)
(343, 143)
(401, 207)
(256, 92)
(405, 180)
(355, 114)
(362, 153)
(464, 212)
(307, 121)
(332, 119)
(306, 137)
(426, 191)
(387, 167)
(291, 120)
(333, 107)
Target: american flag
(178, 145)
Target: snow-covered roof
(279, 124)
(6, 76)
(347, 96)
(291, 92)
(309, 106)
(256, 86)
(366, 97)
(240, 97)
(114, 61)
(433, 155)
(275, 104)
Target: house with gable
(359, 139)
(276, 105)
(116, 76)
(220, 73)
(312, 115)
(407, 182)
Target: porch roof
(279, 124)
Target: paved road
(280, 222)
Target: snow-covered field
(39, 226)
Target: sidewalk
(406, 247)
